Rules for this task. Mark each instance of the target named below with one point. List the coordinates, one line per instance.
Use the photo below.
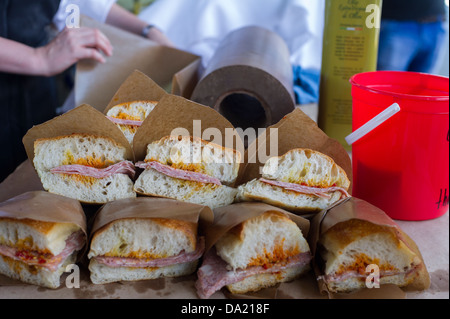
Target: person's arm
(70, 46)
(123, 19)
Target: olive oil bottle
(350, 46)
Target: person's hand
(159, 37)
(71, 46)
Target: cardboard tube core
(243, 109)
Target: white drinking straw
(373, 123)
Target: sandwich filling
(124, 167)
(179, 173)
(121, 121)
(214, 274)
(45, 259)
(182, 257)
(317, 191)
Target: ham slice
(33, 258)
(124, 121)
(213, 275)
(124, 167)
(179, 173)
(160, 262)
(317, 191)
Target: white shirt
(95, 9)
(198, 26)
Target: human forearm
(18, 58)
(121, 18)
(70, 46)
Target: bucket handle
(373, 123)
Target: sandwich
(189, 169)
(129, 116)
(89, 168)
(36, 243)
(258, 253)
(302, 180)
(356, 243)
(132, 243)
(349, 247)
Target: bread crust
(196, 155)
(185, 228)
(324, 175)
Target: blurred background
(442, 68)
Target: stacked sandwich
(302, 180)
(129, 116)
(356, 235)
(40, 234)
(267, 248)
(92, 169)
(189, 169)
(146, 238)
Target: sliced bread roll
(349, 247)
(189, 169)
(143, 248)
(130, 115)
(257, 253)
(89, 168)
(301, 180)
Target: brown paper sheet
(96, 83)
(295, 130)
(23, 179)
(83, 119)
(173, 112)
(147, 207)
(354, 208)
(44, 206)
(249, 79)
(137, 87)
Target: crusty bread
(82, 149)
(154, 183)
(302, 167)
(195, 154)
(102, 274)
(256, 190)
(269, 238)
(89, 189)
(136, 111)
(307, 167)
(261, 281)
(27, 234)
(144, 238)
(354, 244)
(34, 275)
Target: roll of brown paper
(249, 80)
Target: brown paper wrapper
(96, 83)
(249, 79)
(137, 87)
(295, 130)
(149, 207)
(174, 112)
(46, 207)
(354, 208)
(83, 119)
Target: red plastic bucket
(402, 166)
